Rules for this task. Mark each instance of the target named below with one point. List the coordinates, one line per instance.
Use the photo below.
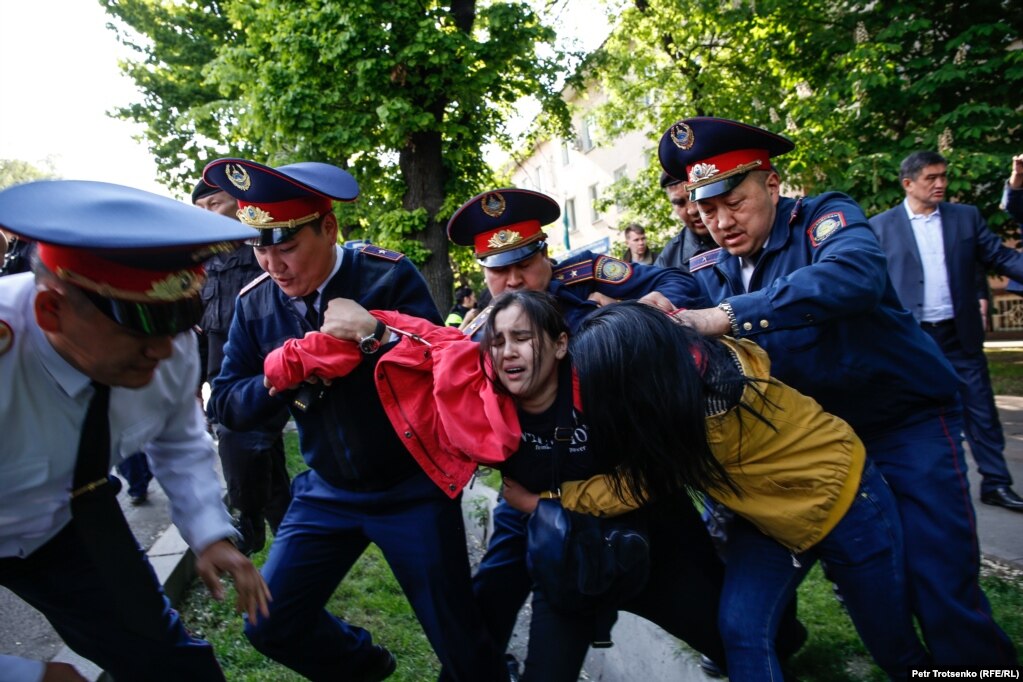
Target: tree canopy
(857, 85)
(406, 95)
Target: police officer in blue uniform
(807, 280)
(362, 485)
(97, 362)
(254, 466)
(504, 227)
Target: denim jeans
(865, 559)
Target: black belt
(935, 325)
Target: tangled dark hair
(545, 319)
(646, 383)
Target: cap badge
(493, 205)
(238, 176)
(682, 136)
(175, 286)
(702, 171)
(503, 238)
(254, 215)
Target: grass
(1006, 367)
(370, 597)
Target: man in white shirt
(98, 361)
(937, 255)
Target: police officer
(98, 361)
(693, 239)
(362, 485)
(807, 280)
(504, 227)
(254, 466)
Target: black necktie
(312, 315)
(103, 531)
(92, 466)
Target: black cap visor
(274, 235)
(717, 188)
(165, 318)
(498, 260)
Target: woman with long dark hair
(692, 414)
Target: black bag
(586, 564)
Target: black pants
(257, 477)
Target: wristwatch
(371, 344)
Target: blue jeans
(865, 559)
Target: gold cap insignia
(682, 136)
(493, 204)
(503, 238)
(254, 216)
(175, 286)
(238, 176)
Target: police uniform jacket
(799, 471)
(821, 304)
(446, 411)
(42, 408)
(345, 435)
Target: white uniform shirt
(930, 242)
(43, 401)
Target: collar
(70, 380)
(920, 216)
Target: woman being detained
(695, 415)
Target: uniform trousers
(980, 414)
(681, 594)
(923, 462)
(61, 581)
(865, 559)
(135, 470)
(421, 534)
(256, 474)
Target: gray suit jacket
(969, 248)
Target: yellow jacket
(797, 479)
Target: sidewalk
(641, 651)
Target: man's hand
(707, 321)
(518, 497)
(600, 299)
(1016, 178)
(62, 672)
(659, 301)
(222, 557)
(347, 320)
(308, 380)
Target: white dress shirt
(42, 407)
(930, 242)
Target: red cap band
(290, 213)
(724, 165)
(507, 237)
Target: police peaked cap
(716, 154)
(503, 225)
(138, 256)
(280, 201)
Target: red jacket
(446, 411)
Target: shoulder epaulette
(573, 273)
(477, 321)
(611, 270)
(706, 259)
(381, 252)
(254, 283)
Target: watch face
(369, 345)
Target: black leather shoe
(379, 666)
(710, 668)
(1003, 496)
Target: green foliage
(404, 94)
(857, 85)
(15, 172)
(1006, 368)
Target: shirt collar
(920, 216)
(70, 380)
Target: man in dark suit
(934, 249)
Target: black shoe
(1003, 496)
(137, 500)
(378, 666)
(253, 532)
(710, 668)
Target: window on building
(620, 173)
(565, 149)
(573, 226)
(585, 135)
(594, 211)
(541, 184)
